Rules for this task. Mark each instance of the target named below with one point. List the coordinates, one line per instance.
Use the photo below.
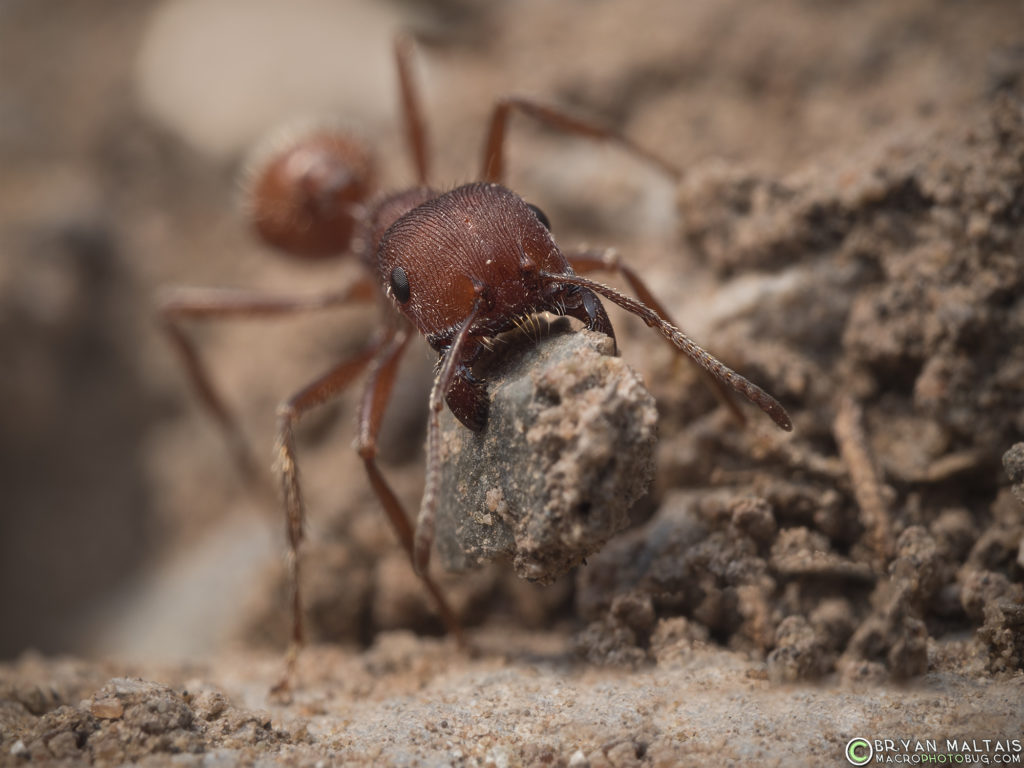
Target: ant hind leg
(412, 111)
(494, 149)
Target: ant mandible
(458, 266)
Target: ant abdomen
(305, 190)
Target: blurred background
(124, 125)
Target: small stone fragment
(566, 452)
(106, 708)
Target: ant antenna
(425, 522)
(685, 344)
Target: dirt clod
(566, 452)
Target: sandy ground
(846, 232)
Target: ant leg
(610, 261)
(494, 158)
(180, 305)
(314, 394)
(412, 112)
(371, 412)
(452, 363)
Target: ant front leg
(371, 413)
(494, 152)
(608, 260)
(181, 305)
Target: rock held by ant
(567, 451)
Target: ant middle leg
(494, 149)
(608, 260)
(181, 305)
(316, 393)
(371, 412)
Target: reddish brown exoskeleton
(459, 267)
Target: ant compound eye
(541, 216)
(400, 285)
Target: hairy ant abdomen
(305, 191)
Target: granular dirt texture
(846, 232)
(907, 267)
(520, 701)
(124, 720)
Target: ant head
(479, 245)
(305, 188)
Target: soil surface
(847, 232)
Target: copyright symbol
(858, 751)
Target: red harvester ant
(458, 266)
